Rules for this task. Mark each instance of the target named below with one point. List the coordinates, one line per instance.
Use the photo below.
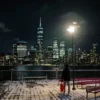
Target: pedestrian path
(41, 90)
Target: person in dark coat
(66, 77)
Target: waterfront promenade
(40, 90)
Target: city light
(74, 23)
(71, 29)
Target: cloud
(4, 28)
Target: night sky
(20, 19)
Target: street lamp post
(71, 29)
(73, 58)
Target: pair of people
(66, 77)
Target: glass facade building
(14, 50)
(55, 49)
(62, 49)
(40, 36)
(21, 49)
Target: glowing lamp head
(71, 29)
(74, 23)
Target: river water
(30, 71)
(49, 71)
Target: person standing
(66, 77)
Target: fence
(87, 73)
(50, 74)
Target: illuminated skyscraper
(40, 36)
(15, 47)
(62, 49)
(14, 50)
(40, 40)
(49, 53)
(55, 49)
(21, 49)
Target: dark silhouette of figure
(66, 77)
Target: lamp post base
(73, 88)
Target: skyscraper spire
(40, 34)
(40, 23)
(40, 39)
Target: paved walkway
(40, 90)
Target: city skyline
(21, 19)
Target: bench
(92, 89)
(36, 77)
(84, 81)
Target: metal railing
(51, 74)
(17, 75)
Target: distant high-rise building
(21, 49)
(55, 49)
(69, 52)
(15, 47)
(94, 48)
(49, 52)
(40, 36)
(36, 46)
(14, 50)
(40, 40)
(33, 50)
(62, 49)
